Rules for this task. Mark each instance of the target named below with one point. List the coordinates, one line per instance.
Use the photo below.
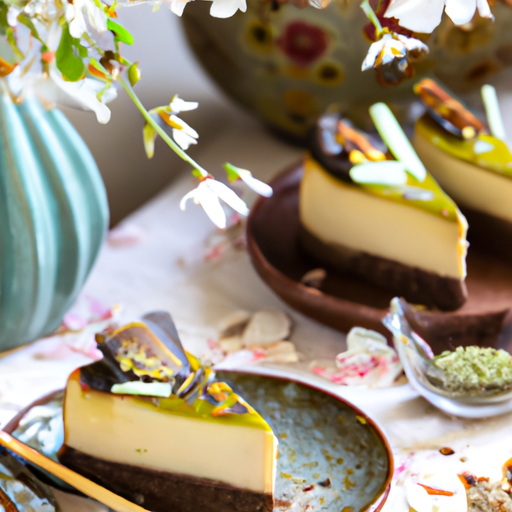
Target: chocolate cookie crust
(414, 284)
(164, 492)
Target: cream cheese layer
(469, 184)
(339, 213)
(129, 430)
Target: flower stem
(370, 14)
(158, 129)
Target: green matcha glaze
(484, 151)
(438, 203)
(201, 409)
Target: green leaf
(232, 172)
(121, 33)
(134, 73)
(82, 51)
(3, 18)
(68, 61)
(149, 136)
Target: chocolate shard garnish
(338, 146)
(447, 111)
(151, 351)
(162, 325)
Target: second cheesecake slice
(382, 219)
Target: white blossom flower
(226, 8)
(83, 12)
(12, 15)
(80, 94)
(178, 105)
(207, 195)
(219, 8)
(246, 176)
(425, 15)
(258, 186)
(178, 6)
(182, 133)
(392, 46)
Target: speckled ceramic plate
(332, 457)
(344, 301)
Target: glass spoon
(79, 482)
(416, 358)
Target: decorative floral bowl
(288, 65)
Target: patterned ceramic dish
(332, 456)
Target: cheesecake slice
(472, 163)
(372, 210)
(151, 424)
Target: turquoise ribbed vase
(53, 219)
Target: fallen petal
(267, 327)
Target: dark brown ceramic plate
(332, 456)
(344, 301)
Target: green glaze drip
(201, 410)
(485, 151)
(439, 204)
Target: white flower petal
(178, 105)
(97, 18)
(12, 16)
(460, 11)
(186, 197)
(228, 196)
(373, 53)
(417, 15)
(69, 12)
(208, 199)
(82, 93)
(77, 26)
(226, 8)
(178, 6)
(393, 49)
(258, 186)
(412, 44)
(483, 9)
(183, 139)
(184, 126)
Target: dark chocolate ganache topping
(334, 141)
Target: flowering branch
(158, 129)
(73, 48)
